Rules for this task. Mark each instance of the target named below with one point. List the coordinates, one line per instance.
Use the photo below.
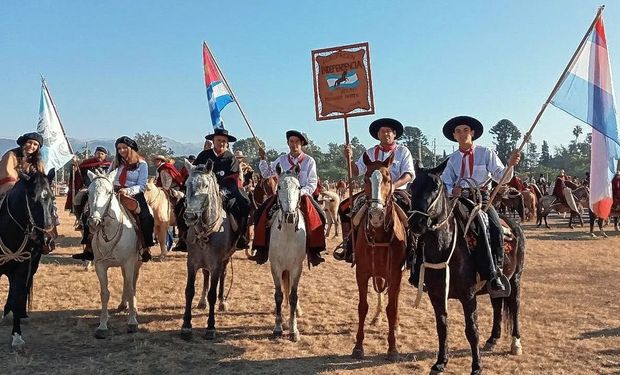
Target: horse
(550, 203)
(163, 212)
(615, 214)
(287, 249)
(530, 201)
(380, 249)
(209, 240)
(331, 201)
(443, 247)
(341, 189)
(510, 200)
(115, 243)
(27, 223)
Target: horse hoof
(202, 305)
(101, 333)
(393, 356)
(210, 334)
(17, 343)
(436, 372)
(223, 306)
(294, 336)
(132, 328)
(515, 348)
(186, 334)
(276, 335)
(605, 235)
(358, 353)
(592, 235)
(488, 347)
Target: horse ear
(278, 169)
(51, 174)
(438, 170)
(209, 166)
(366, 159)
(387, 162)
(112, 175)
(91, 175)
(188, 164)
(24, 176)
(297, 169)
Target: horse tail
(286, 285)
(507, 315)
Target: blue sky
(120, 67)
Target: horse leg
(222, 304)
(600, 226)
(547, 224)
(362, 310)
(278, 296)
(162, 235)
(337, 225)
(102, 275)
(294, 303)
(128, 287)
(19, 283)
(441, 322)
(570, 221)
(392, 315)
(496, 332)
(377, 317)
(212, 298)
(616, 223)
(471, 331)
(202, 304)
(513, 305)
(190, 289)
(122, 306)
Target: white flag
(55, 151)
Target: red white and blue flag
(218, 93)
(587, 93)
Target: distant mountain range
(179, 148)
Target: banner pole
(350, 175)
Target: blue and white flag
(344, 80)
(55, 150)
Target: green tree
(506, 137)
(416, 142)
(150, 144)
(545, 156)
(577, 131)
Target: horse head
(202, 192)
(39, 200)
(289, 193)
(378, 188)
(100, 194)
(428, 198)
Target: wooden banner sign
(342, 82)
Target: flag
(55, 151)
(587, 93)
(217, 92)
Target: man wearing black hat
(313, 214)
(25, 158)
(226, 170)
(386, 131)
(480, 164)
(98, 164)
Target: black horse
(441, 240)
(26, 224)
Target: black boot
(242, 241)
(87, 254)
(260, 256)
(181, 245)
(314, 257)
(345, 250)
(146, 255)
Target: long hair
(131, 163)
(31, 161)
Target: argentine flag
(345, 80)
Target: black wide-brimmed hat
(128, 141)
(295, 133)
(28, 136)
(101, 149)
(475, 125)
(222, 132)
(387, 123)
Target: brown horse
(263, 190)
(380, 243)
(452, 271)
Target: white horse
(287, 249)
(115, 244)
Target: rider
(559, 186)
(226, 170)
(246, 170)
(478, 163)
(99, 163)
(386, 131)
(130, 180)
(542, 183)
(184, 172)
(168, 177)
(313, 214)
(25, 158)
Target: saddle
(133, 207)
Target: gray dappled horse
(209, 240)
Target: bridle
(203, 228)
(100, 228)
(290, 217)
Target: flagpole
(64, 133)
(350, 174)
(527, 136)
(245, 118)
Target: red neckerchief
(122, 179)
(387, 149)
(469, 153)
(300, 159)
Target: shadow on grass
(606, 332)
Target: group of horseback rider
(471, 163)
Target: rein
(205, 229)
(100, 230)
(282, 215)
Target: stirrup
(340, 252)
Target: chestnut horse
(380, 243)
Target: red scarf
(122, 179)
(300, 159)
(467, 154)
(387, 149)
(174, 173)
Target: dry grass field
(570, 319)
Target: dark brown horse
(450, 267)
(380, 242)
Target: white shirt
(308, 178)
(403, 162)
(486, 165)
(136, 179)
